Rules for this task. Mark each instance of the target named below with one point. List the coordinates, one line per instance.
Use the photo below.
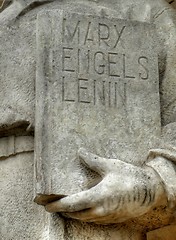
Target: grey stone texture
(21, 32)
(18, 213)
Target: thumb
(94, 162)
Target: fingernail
(48, 209)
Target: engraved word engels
(96, 64)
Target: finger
(96, 215)
(96, 163)
(88, 214)
(76, 202)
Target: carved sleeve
(164, 17)
(162, 159)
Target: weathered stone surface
(165, 233)
(17, 78)
(20, 218)
(172, 2)
(97, 87)
(13, 145)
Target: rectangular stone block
(96, 87)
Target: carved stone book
(97, 87)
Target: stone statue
(127, 191)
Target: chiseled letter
(71, 31)
(104, 34)
(99, 62)
(119, 34)
(143, 61)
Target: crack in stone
(160, 13)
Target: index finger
(76, 202)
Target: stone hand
(126, 191)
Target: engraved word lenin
(95, 62)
